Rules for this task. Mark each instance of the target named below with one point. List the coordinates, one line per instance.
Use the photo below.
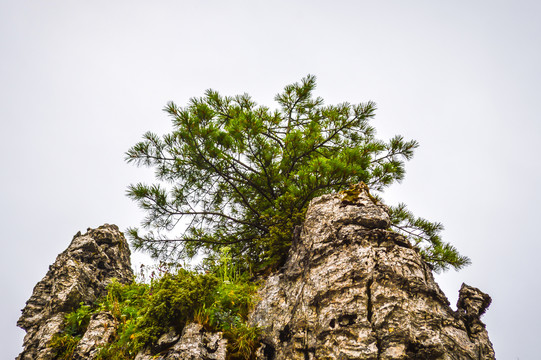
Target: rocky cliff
(79, 275)
(350, 289)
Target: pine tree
(233, 173)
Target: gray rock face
(194, 344)
(353, 290)
(100, 331)
(79, 274)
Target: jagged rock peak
(351, 289)
(80, 274)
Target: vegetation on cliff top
(220, 300)
(238, 177)
(233, 173)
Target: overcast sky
(81, 81)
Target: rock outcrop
(101, 330)
(79, 275)
(353, 290)
(194, 344)
(350, 289)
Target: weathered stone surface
(79, 274)
(167, 340)
(100, 331)
(472, 303)
(194, 344)
(353, 290)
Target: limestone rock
(472, 303)
(100, 331)
(79, 274)
(167, 340)
(351, 289)
(194, 344)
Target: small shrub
(219, 299)
(232, 299)
(242, 341)
(64, 345)
(75, 324)
(174, 301)
(125, 303)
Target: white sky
(80, 82)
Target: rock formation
(353, 290)
(194, 344)
(79, 274)
(350, 289)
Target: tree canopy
(234, 173)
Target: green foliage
(219, 299)
(239, 174)
(243, 341)
(425, 235)
(173, 302)
(126, 303)
(75, 324)
(232, 299)
(145, 312)
(64, 345)
(77, 321)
